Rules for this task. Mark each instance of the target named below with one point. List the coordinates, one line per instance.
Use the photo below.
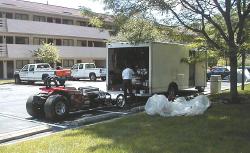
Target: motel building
(25, 25)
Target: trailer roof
(127, 44)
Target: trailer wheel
(172, 91)
(56, 107)
(103, 78)
(17, 80)
(92, 76)
(120, 101)
(33, 108)
(200, 89)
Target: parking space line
(112, 112)
(33, 121)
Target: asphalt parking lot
(14, 118)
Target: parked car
(224, 72)
(40, 72)
(246, 67)
(87, 70)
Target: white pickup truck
(38, 72)
(87, 70)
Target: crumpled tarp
(159, 104)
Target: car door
(81, 70)
(23, 74)
(31, 72)
(74, 71)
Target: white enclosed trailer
(162, 66)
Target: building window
(58, 42)
(22, 40)
(9, 40)
(1, 39)
(50, 19)
(79, 61)
(81, 42)
(22, 16)
(50, 41)
(81, 23)
(21, 63)
(99, 44)
(90, 43)
(67, 21)
(9, 15)
(57, 20)
(68, 42)
(39, 41)
(39, 18)
(68, 63)
(1, 14)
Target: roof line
(56, 6)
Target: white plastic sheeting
(159, 104)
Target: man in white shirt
(127, 74)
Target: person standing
(127, 74)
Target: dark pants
(127, 85)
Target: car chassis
(55, 102)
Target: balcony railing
(3, 24)
(3, 50)
(26, 51)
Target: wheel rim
(120, 101)
(92, 77)
(60, 108)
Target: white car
(34, 72)
(87, 70)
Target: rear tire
(200, 89)
(56, 107)
(103, 78)
(172, 91)
(33, 108)
(92, 77)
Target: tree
(196, 15)
(47, 53)
(94, 20)
(138, 30)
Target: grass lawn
(224, 128)
(6, 81)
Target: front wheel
(56, 107)
(17, 80)
(33, 108)
(120, 101)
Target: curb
(137, 109)
(23, 133)
(103, 117)
(76, 123)
(97, 118)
